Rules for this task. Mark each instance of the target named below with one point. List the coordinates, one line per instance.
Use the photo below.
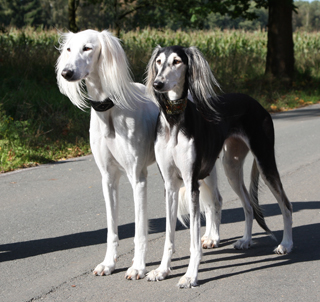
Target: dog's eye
(85, 48)
(176, 61)
(158, 62)
(68, 49)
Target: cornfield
(39, 124)
(232, 53)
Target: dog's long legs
(172, 193)
(138, 268)
(211, 201)
(270, 175)
(235, 152)
(263, 150)
(190, 279)
(110, 183)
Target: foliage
(100, 14)
(38, 124)
(308, 16)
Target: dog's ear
(115, 76)
(201, 81)
(152, 71)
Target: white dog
(121, 139)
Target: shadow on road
(306, 248)
(306, 238)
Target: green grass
(39, 125)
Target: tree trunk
(72, 8)
(280, 55)
(117, 26)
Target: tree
(20, 12)
(280, 55)
(32, 13)
(13, 12)
(72, 8)
(121, 10)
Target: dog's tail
(183, 209)
(254, 201)
(205, 197)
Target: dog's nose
(67, 73)
(158, 84)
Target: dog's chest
(126, 140)
(174, 150)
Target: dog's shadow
(306, 247)
(306, 243)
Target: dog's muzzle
(158, 85)
(67, 74)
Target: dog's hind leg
(270, 175)
(262, 146)
(138, 268)
(211, 202)
(172, 195)
(235, 152)
(110, 183)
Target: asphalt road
(53, 232)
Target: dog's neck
(176, 107)
(94, 87)
(176, 99)
(98, 99)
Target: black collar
(177, 106)
(102, 106)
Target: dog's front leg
(190, 279)
(110, 183)
(138, 268)
(172, 194)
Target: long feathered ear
(152, 72)
(201, 80)
(73, 90)
(114, 72)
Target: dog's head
(97, 57)
(79, 53)
(167, 68)
(178, 69)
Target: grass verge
(40, 125)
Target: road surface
(53, 232)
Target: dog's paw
(103, 269)
(283, 249)
(187, 282)
(158, 275)
(135, 274)
(209, 243)
(242, 244)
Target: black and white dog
(190, 136)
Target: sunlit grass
(38, 124)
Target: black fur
(232, 114)
(208, 125)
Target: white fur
(113, 73)
(122, 140)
